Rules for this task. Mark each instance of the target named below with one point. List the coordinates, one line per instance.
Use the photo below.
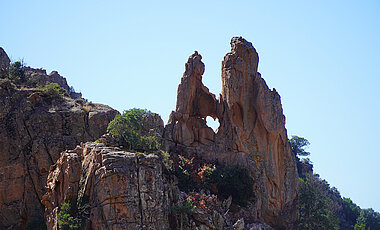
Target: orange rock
(124, 190)
(33, 132)
(251, 134)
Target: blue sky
(323, 57)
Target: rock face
(116, 189)
(109, 188)
(33, 131)
(4, 63)
(251, 134)
(39, 77)
(123, 190)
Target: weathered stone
(153, 125)
(39, 77)
(125, 190)
(55, 77)
(251, 134)
(32, 134)
(194, 104)
(67, 171)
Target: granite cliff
(122, 190)
(34, 129)
(43, 163)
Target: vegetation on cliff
(127, 129)
(73, 214)
(53, 91)
(16, 72)
(195, 174)
(322, 206)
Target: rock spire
(251, 134)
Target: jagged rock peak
(241, 50)
(194, 66)
(251, 134)
(239, 43)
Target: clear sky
(323, 57)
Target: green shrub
(185, 181)
(53, 91)
(65, 217)
(359, 227)
(231, 181)
(16, 71)
(368, 219)
(185, 208)
(127, 128)
(298, 145)
(165, 158)
(186, 172)
(315, 208)
(73, 214)
(224, 181)
(88, 107)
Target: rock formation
(251, 134)
(33, 131)
(115, 189)
(123, 190)
(39, 77)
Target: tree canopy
(127, 128)
(315, 208)
(16, 71)
(322, 206)
(298, 145)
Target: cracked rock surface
(33, 131)
(123, 190)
